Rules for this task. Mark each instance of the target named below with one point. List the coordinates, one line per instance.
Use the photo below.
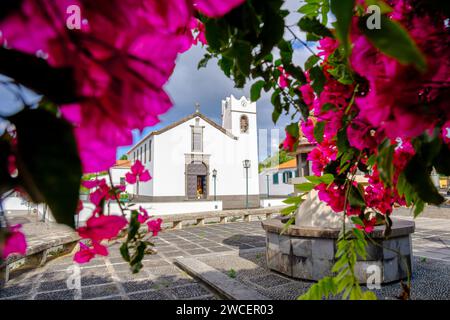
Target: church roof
(183, 120)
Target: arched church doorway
(196, 180)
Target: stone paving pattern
(110, 278)
(430, 279)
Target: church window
(275, 178)
(150, 151)
(145, 153)
(244, 124)
(197, 139)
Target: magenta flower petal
(216, 8)
(145, 176)
(103, 227)
(137, 168)
(84, 255)
(15, 242)
(154, 226)
(130, 178)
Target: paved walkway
(110, 278)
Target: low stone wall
(309, 253)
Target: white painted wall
(226, 155)
(156, 208)
(266, 203)
(280, 189)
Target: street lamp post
(214, 174)
(268, 190)
(246, 164)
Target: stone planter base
(308, 252)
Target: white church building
(196, 159)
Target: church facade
(196, 159)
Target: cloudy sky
(207, 86)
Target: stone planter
(308, 252)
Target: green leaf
(293, 129)
(124, 252)
(319, 130)
(255, 91)
(272, 32)
(393, 40)
(312, 25)
(317, 79)
(6, 181)
(343, 11)
(418, 176)
(48, 162)
(310, 9)
(441, 161)
(204, 61)
(327, 178)
(243, 55)
(293, 200)
(385, 162)
(356, 197)
(305, 187)
(288, 210)
(311, 61)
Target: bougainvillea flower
(154, 226)
(403, 101)
(138, 173)
(120, 59)
(102, 228)
(143, 217)
(307, 94)
(15, 242)
(200, 32)
(283, 79)
(360, 135)
(216, 8)
(369, 225)
(446, 132)
(86, 254)
(289, 142)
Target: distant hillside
(267, 163)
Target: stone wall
(312, 258)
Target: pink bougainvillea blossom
(154, 226)
(307, 94)
(102, 228)
(138, 173)
(403, 101)
(216, 8)
(119, 64)
(143, 216)
(199, 29)
(283, 79)
(15, 242)
(369, 225)
(360, 135)
(86, 254)
(446, 132)
(289, 142)
(327, 46)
